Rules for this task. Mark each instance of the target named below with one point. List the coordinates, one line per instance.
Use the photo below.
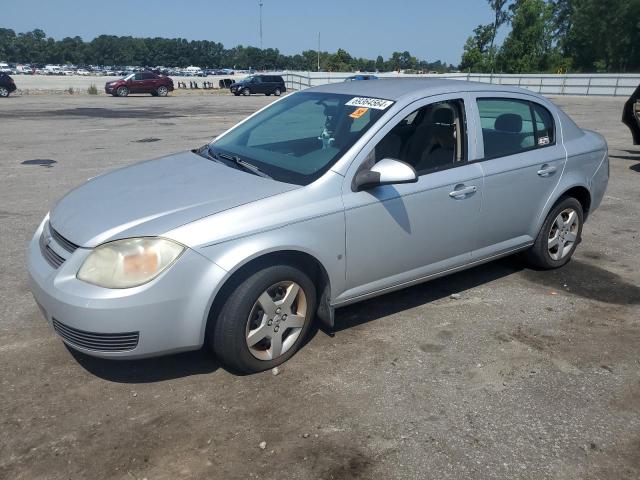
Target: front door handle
(546, 170)
(461, 191)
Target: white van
(194, 71)
(53, 70)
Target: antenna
(260, 5)
(318, 51)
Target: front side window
(429, 139)
(511, 126)
(300, 137)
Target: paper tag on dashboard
(366, 102)
(360, 111)
(544, 141)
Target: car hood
(153, 197)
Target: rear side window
(511, 126)
(544, 125)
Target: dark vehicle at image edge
(140, 82)
(7, 85)
(267, 84)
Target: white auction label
(376, 103)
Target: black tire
(246, 92)
(268, 94)
(227, 333)
(236, 94)
(4, 92)
(122, 91)
(162, 91)
(277, 92)
(539, 255)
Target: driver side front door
(398, 234)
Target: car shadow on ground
(148, 370)
(421, 294)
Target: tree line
(36, 48)
(557, 36)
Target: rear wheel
(559, 236)
(4, 92)
(162, 91)
(122, 91)
(264, 320)
(246, 92)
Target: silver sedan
(324, 198)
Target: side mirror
(386, 172)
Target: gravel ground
(524, 374)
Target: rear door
(522, 159)
(150, 82)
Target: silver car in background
(324, 198)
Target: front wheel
(4, 92)
(162, 91)
(277, 92)
(264, 320)
(246, 92)
(559, 236)
(122, 91)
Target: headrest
(509, 122)
(444, 116)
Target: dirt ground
(528, 374)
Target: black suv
(6, 85)
(267, 84)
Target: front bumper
(166, 315)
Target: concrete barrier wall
(570, 84)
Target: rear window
(511, 126)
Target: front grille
(63, 242)
(100, 342)
(49, 255)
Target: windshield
(299, 138)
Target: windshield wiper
(205, 152)
(250, 167)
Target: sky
(429, 29)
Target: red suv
(141, 82)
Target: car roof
(407, 88)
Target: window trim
(530, 103)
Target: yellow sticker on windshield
(359, 112)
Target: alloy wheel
(4, 92)
(162, 91)
(563, 234)
(276, 320)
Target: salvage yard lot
(522, 374)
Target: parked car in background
(7, 85)
(83, 72)
(631, 115)
(360, 77)
(267, 84)
(5, 68)
(140, 82)
(239, 244)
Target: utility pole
(260, 5)
(318, 51)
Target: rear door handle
(547, 170)
(462, 191)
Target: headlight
(129, 262)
